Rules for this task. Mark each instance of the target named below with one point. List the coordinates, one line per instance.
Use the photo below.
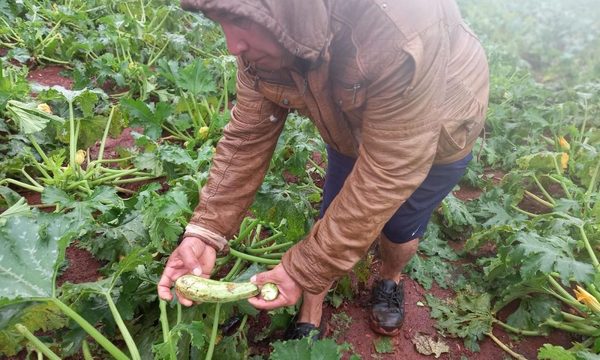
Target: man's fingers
(182, 300)
(164, 287)
(263, 278)
(268, 305)
(191, 262)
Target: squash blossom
(564, 160)
(564, 144)
(80, 157)
(203, 133)
(587, 299)
(45, 108)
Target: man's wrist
(210, 238)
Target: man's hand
(192, 256)
(289, 290)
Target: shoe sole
(381, 330)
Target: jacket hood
(301, 26)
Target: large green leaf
(30, 247)
(29, 118)
(552, 254)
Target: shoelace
(392, 299)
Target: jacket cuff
(299, 266)
(212, 239)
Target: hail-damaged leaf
(427, 345)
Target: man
(398, 91)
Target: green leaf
(547, 254)
(552, 352)
(468, 316)
(30, 248)
(29, 118)
(196, 79)
(305, 349)
(34, 316)
(384, 345)
(542, 161)
(150, 119)
(455, 212)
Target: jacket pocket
(349, 96)
(284, 96)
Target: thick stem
(252, 258)
(518, 209)
(133, 350)
(539, 199)
(267, 240)
(517, 330)
(36, 343)
(164, 322)
(85, 349)
(588, 247)
(105, 135)
(72, 138)
(562, 185)
(592, 185)
(22, 184)
(213, 334)
(261, 251)
(91, 330)
(505, 348)
(543, 190)
(564, 294)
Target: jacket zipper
(355, 88)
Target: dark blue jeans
(410, 220)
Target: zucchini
(199, 289)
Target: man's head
(252, 41)
(271, 33)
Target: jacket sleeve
(241, 160)
(399, 140)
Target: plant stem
(564, 294)
(260, 251)
(505, 348)
(571, 317)
(517, 330)
(267, 240)
(588, 247)
(85, 349)
(539, 199)
(592, 185)
(543, 190)
(91, 330)
(252, 258)
(133, 350)
(213, 334)
(37, 344)
(105, 135)
(72, 138)
(562, 185)
(22, 184)
(164, 321)
(518, 209)
(579, 329)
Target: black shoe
(300, 330)
(387, 307)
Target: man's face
(253, 42)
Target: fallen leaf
(426, 345)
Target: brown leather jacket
(399, 84)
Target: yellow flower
(564, 144)
(80, 157)
(587, 299)
(203, 133)
(45, 108)
(564, 160)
